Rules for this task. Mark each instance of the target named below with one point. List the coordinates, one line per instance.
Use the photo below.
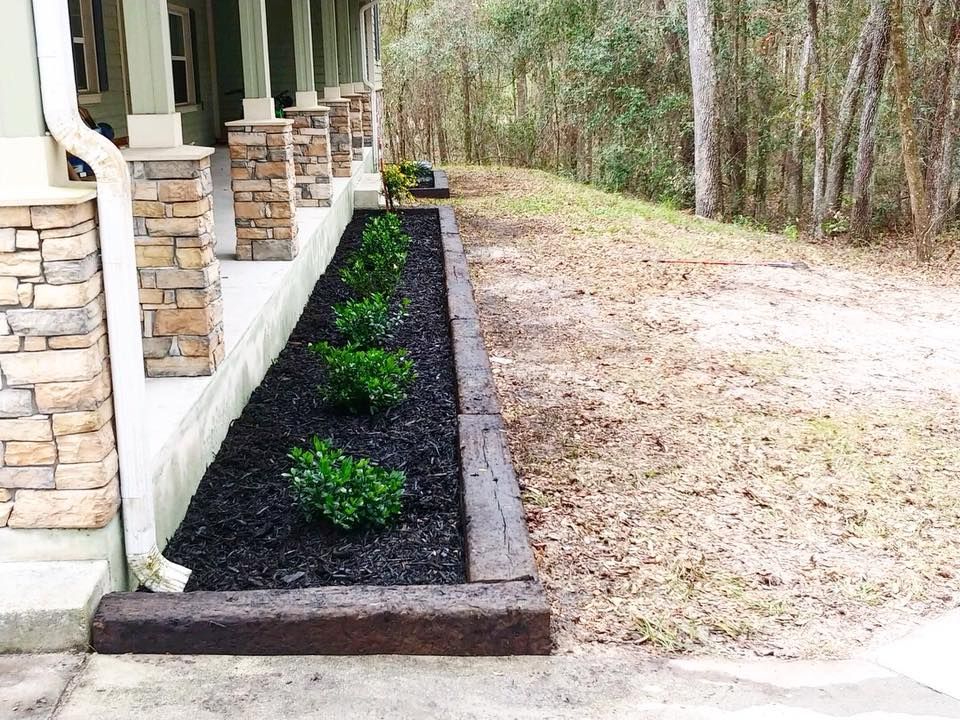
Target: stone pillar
(180, 298)
(366, 99)
(311, 155)
(59, 461)
(264, 188)
(341, 137)
(356, 126)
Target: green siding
(317, 44)
(198, 123)
(226, 23)
(112, 107)
(283, 67)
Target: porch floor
(187, 418)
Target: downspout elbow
(59, 91)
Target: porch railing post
(331, 71)
(257, 96)
(303, 53)
(154, 122)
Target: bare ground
(734, 459)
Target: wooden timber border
(439, 191)
(500, 610)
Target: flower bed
(242, 530)
(453, 573)
(437, 186)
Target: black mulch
(242, 530)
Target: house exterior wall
(112, 105)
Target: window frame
(187, 58)
(88, 40)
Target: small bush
(396, 185)
(384, 235)
(368, 321)
(350, 493)
(364, 381)
(370, 273)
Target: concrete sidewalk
(604, 685)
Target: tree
(919, 208)
(703, 75)
(863, 170)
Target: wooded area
(824, 116)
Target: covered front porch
(142, 304)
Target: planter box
(501, 609)
(439, 191)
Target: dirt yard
(719, 458)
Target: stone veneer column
(356, 126)
(59, 461)
(180, 298)
(264, 188)
(311, 155)
(341, 137)
(366, 99)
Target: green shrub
(350, 493)
(364, 381)
(368, 321)
(384, 235)
(377, 265)
(370, 273)
(396, 185)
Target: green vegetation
(364, 381)
(368, 321)
(350, 493)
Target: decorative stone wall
(311, 155)
(341, 138)
(59, 464)
(356, 126)
(367, 117)
(264, 188)
(180, 297)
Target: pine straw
(717, 458)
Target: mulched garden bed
(436, 186)
(242, 530)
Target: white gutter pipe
(59, 93)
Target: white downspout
(59, 93)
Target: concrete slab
(367, 195)
(31, 685)
(928, 654)
(607, 685)
(47, 606)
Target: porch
(110, 403)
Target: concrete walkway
(596, 685)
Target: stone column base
(311, 155)
(356, 126)
(264, 188)
(341, 137)
(59, 464)
(366, 98)
(180, 300)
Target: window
(181, 51)
(84, 46)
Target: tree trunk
(913, 169)
(820, 120)
(760, 172)
(794, 159)
(845, 115)
(703, 74)
(940, 210)
(467, 108)
(863, 171)
(520, 83)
